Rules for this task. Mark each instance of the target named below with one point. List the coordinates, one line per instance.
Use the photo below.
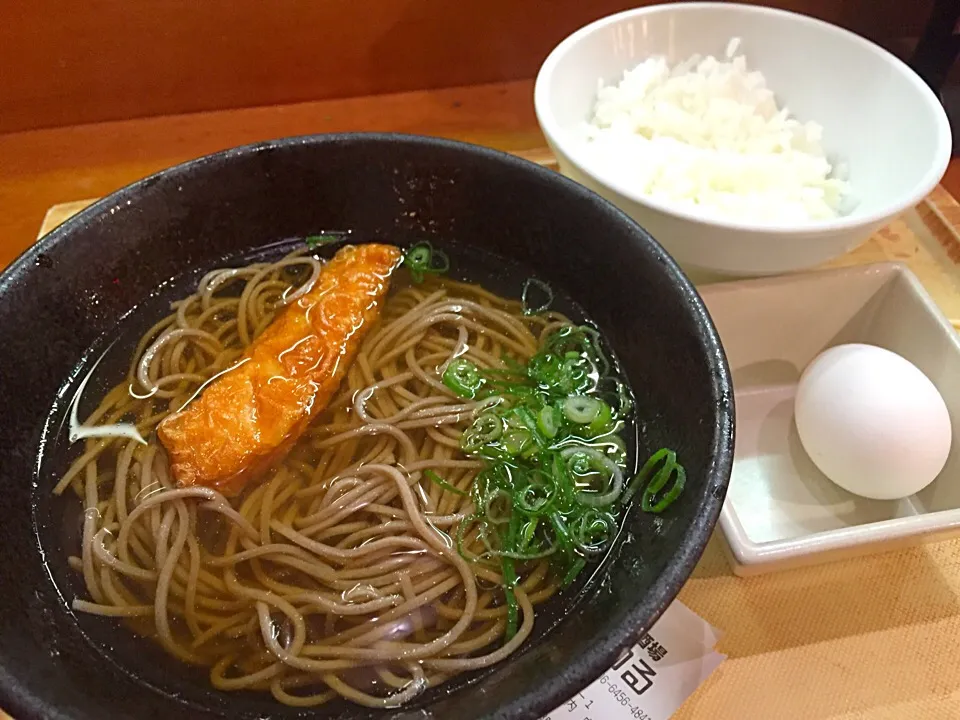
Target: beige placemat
(874, 638)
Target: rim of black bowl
(539, 700)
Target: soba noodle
(338, 574)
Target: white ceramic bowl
(880, 119)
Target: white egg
(872, 421)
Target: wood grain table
(41, 168)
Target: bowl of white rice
(747, 140)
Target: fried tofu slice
(249, 418)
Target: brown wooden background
(80, 61)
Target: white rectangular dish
(781, 511)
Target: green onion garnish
(581, 409)
(548, 421)
(487, 428)
(603, 422)
(666, 459)
(574, 570)
(315, 241)
(463, 377)
(437, 480)
(552, 481)
(422, 260)
(674, 470)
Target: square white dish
(781, 511)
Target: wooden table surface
(41, 168)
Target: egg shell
(872, 422)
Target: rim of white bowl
(554, 134)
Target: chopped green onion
(315, 241)
(562, 533)
(529, 422)
(515, 441)
(578, 462)
(531, 287)
(552, 483)
(603, 422)
(547, 371)
(548, 421)
(463, 377)
(625, 402)
(527, 533)
(674, 470)
(661, 455)
(533, 499)
(670, 468)
(615, 448)
(512, 366)
(581, 409)
(498, 501)
(487, 428)
(573, 572)
(437, 480)
(419, 256)
(593, 530)
(422, 259)
(590, 464)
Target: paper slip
(652, 679)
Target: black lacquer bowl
(80, 282)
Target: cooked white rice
(707, 134)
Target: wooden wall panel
(64, 63)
